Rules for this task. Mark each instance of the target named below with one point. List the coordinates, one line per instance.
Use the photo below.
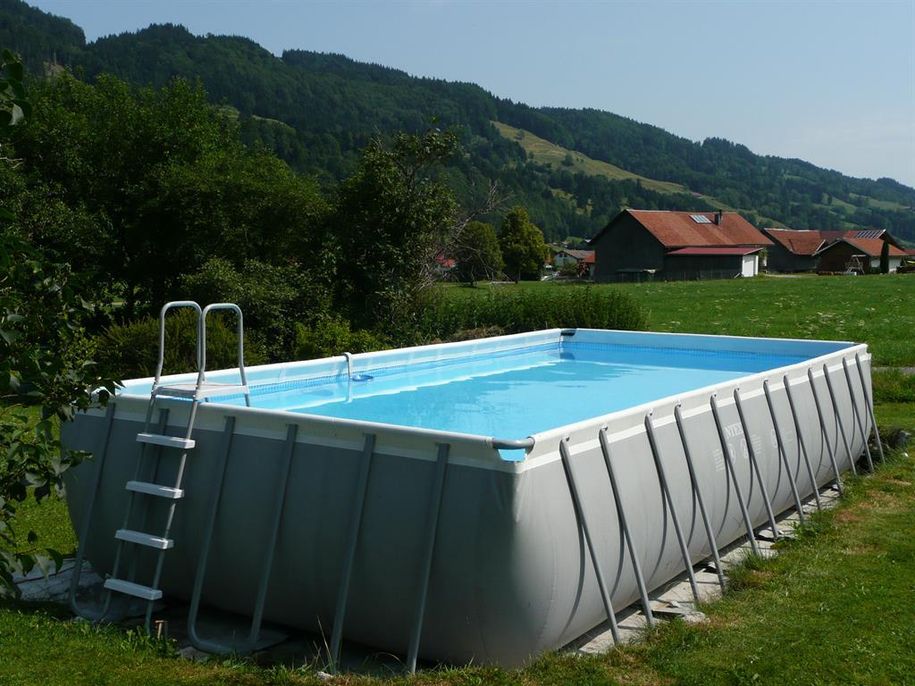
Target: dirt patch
(848, 516)
(875, 500)
(760, 577)
(897, 482)
(862, 549)
(719, 622)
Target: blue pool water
(514, 395)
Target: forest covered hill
(317, 111)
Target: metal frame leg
(729, 461)
(754, 463)
(782, 454)
(438, 488)
(823, 432)
(624, 526)
(835, 408)
(87, 515)
(200, 576)
(583, 523)
(802, 446)
(868, 403)
(665, 490)
(857, 413)
(258, 615)
(697, 494)
(355, 528)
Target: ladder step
(208, 389)
(130, 588)
(167, 441)
(155, 489)
(140, 538)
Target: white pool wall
(510, 576)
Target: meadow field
(833, 608)
(877, 310)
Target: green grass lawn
(834, 608)
(877, 310)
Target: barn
(858, 254)
(802, 250)
(662, 244)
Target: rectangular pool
(431, 501)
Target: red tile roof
(871, 246)
(590, 258)
(800, 242)
(681, 230)
(834, 235)
(811, 241)
(577, 254)
(715, 251)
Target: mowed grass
(877, 310)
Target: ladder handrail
(240, 331)
(165, 308)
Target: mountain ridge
(335, 104)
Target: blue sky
(829, 82)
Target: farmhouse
(794, 250)
(584, 259)
(661, 244)
(799, 250)
(860, 254)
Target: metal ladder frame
(159, 440)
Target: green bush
(518, 310)
(131, 350)
(272, 297)
(331, 337)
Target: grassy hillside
(317, 110)
(542, 150)
(557, 157)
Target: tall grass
(515, 311)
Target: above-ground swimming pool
(470, 501)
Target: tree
(523, 247)
(44, 362)
(157, 182)
(391, 218)
(477, 253)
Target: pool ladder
(194, 392)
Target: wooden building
(660, 244)
(800, 250)
(857, 254)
